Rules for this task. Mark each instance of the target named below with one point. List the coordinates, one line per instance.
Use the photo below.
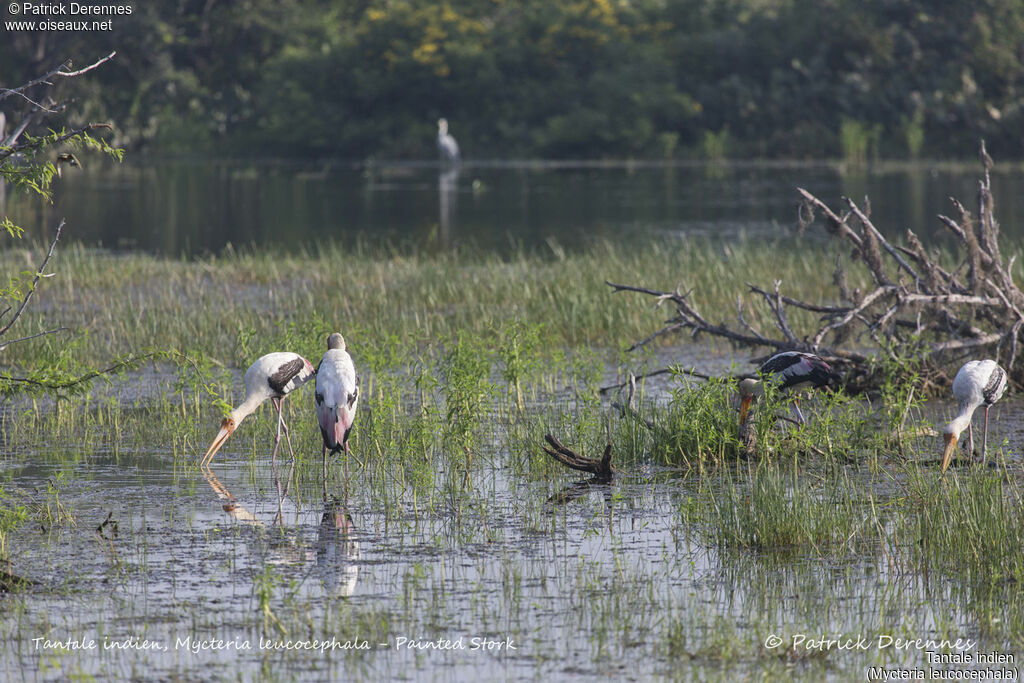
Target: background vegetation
(554, 78)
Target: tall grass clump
(700, 424)
(464, 371)
(912, 128)
(968, 525)
(774, 509)
(858, 140)
(520, 353)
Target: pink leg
(277, 439)
(273, 461)
(970, 441)
(796, 402)
(984, 442)
(284, 425)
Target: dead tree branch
(601, 467)
(59, 71)
(920, 305)
(31, 290)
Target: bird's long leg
(288, 479)
(346, 459)
(796, 403)
(970, 441)
(984, 439)
(325, 476)
(291, 451)
(287, 432)
(277, 440)
(273, 462)
(325, 469)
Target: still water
(194, 209)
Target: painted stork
(794, 371)
(446, 145)
(978, 383)
(272, 376)
(337, 396)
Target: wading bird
(272, 376)
(337, 396)
(446, 145)
(979, 383)
(794, 371)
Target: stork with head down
(978, 383)
(272, 376)
(337, 396)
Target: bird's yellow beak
(947, 455)
(745, 409)
(226, 429)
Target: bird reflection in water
(335, 551)
(447, 182)
(231, 506)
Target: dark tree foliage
(556, 78)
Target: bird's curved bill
(226, 428)
(745, 408)
(947, 455)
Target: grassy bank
(237, 306)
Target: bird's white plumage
(337, 396)
(446, 145)
(979, 383)
(974, 378)
(258, 380)
(969, 390)
(272, 376)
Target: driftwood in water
(601, 468)
(11, 582)
(915, 308)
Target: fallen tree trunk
(918, 309)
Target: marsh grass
(777, 509)
(968, 526)
(456, 363)
(386, 301)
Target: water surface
(196, 208)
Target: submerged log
(11, 582)
(601, 468)
(917, 309)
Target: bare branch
(976, 305)
(40, 334)
(32, 289)
(869, 226)
(59, 71)
(601, 467)
(72, 74)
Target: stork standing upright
(337, 396)
(446, 145)
(794, 371)
(978, 383)
(272, 376)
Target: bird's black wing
(821, 374)
(780, 362)
(793, 367)
(995, 387)
(285, 374)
